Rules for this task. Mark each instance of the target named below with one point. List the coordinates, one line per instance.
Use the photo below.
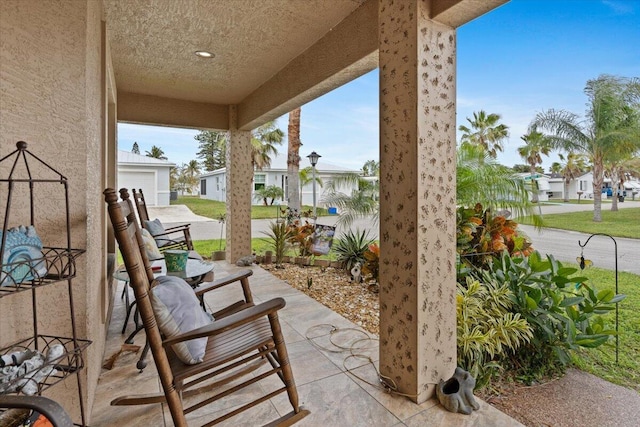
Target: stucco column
(239, 181)
(417, 189)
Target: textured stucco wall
(417, 208)
(239, 179)
(50, 97)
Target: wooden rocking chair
(237, 342)
(178, 237)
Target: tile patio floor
(334, 397)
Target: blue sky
(522, 58)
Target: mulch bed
(333, 288)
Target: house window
(259, 182)
(583, 185)
(217, 183)
(203, 187)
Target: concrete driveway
(562, 244)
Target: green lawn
(212, 209)
(259, 245)
(623, 223)
(601, 361)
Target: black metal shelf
(60, 265)
(35, 269)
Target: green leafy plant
(279, 234)
(351, 247)
(487, 329)
(563, 310)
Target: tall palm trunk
(567, 181)
(293, 160)
(615, 184)
(598, 179)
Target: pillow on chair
(150, 246)
(155, 227)
(178, 310)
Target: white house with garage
(146, 173)
(213, 184)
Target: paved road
(562, 244)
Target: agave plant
(351, 248)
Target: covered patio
(334, 397)
(71, 70)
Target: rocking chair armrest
(167, 232)
(229, 322)
(178, 228)
(232, 278)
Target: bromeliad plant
(563, 310)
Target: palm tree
(536, 145)
(617, 169)
(363, 202)
(293, 160)
(305, 176)
(612, 125)
(371, 168)
(555, 168)
(485, 132)
(481, 179)
(272, 192)
(190, 173)
(574, 165)
(156, 153)
(263, 144)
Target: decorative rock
(456, 394)
(246, 261)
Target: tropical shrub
(482, 236)
(300, 235)
(563, 310)
(488, 331)
(351, 247)
(371, 267)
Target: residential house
(72, 69)
(583, 186)
(537, 182)
(146, 173)
(213, 184)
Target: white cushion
(150, 246)
(177, 311)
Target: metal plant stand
(582, 266)
(31, 179)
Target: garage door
(144, 180)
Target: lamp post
(313, 158)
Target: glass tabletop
(195, 269)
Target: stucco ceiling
(153, 42)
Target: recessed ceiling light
(204, 54)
